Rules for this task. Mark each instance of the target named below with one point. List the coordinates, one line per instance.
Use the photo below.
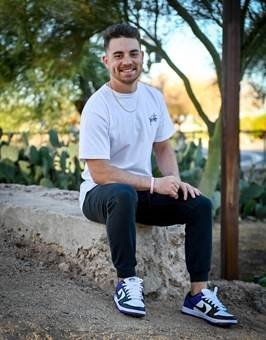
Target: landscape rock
(53, 216)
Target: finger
(192, 192)
(173, 195)
(185, 191)
(196, 191)
(173, 192)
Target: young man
(121, 125)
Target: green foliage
(252, 199)
(190, 160)
(10, 152)
(48, 63)
(261, 280)
(54, 165)
(54, 138)
(57, 165)
(49, 34)
(157, 19)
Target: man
(121, 125)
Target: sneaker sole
(127, 311)
(207, 318)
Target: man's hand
(170, 185)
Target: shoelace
(133, 290)
(211, 297)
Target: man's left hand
(187, 189)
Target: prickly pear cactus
(10, 152)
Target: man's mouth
(128, 70)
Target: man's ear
(105, 61)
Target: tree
(46, 44)
(156, 19)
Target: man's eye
(135, 54)
(118, 56)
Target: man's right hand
(169, 185)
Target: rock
(53, 216)
(64, 267)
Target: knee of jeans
(125, 194)
(205, 204)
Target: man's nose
(127, 60)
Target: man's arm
(166, 161)
(104, 173)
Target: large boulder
(53, 216)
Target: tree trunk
(211, 170)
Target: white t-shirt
(124, 138)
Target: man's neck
(122, 87)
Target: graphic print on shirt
(153, 118)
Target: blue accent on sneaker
(207, 306)
(129, 297)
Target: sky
(192, 58)
(189, 54)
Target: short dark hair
(118, 31)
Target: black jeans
(120, 206)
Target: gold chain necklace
(118, 102)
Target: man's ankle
(196, 287)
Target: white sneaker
(207, 306)
(129, 296)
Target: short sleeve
(166, 127)
(94, 141)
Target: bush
(57, 165)
(54, 165)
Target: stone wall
(53, 216)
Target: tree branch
(210, 10)
(156, 18)
(158, 49)
(243, 14)
(253, 42)
(200, 35)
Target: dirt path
(40, 301)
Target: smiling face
(124, 61)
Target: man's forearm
(103, 173)
(166, 160)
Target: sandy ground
(41, 300)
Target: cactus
(33, 155)
(7, 171)
(62, 181)
(46, 161)
(25, 139)
(10, 152)
(64, 155)
(46, 182)
(72, 150)
(37, 173)
(24, 167)
(53, 137)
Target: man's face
(124, 60)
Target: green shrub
(53, 165)
(252, 199)
(57, 165)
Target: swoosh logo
(120, 294)
(203, 307)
